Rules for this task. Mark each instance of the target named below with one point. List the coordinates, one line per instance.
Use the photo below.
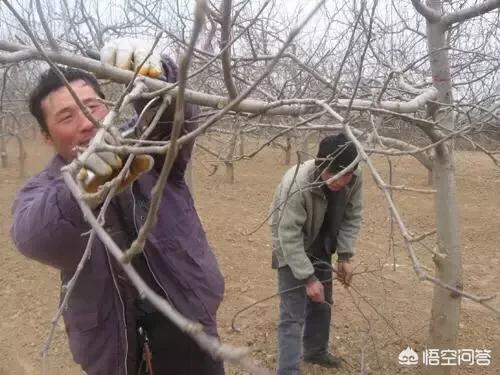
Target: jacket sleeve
(163, 130)
(351, 223)
(290, 233)
(48, 225)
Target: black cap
(335, 152)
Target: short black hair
(335, 152)
(49, 81)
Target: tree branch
(468, 13)
(430, 14)
(44, 55)
(226, 55)
(215, 101)
(194, 330)
(52, 42)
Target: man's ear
(47, 139)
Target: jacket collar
(54, 166)
(313, 179)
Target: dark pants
(174, 352)
(302, 323)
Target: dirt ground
(385, 311)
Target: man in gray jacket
(314, 216)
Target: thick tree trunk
(305, 155)
(3, 143)
(288, 151)
(229, 172)
(231, 151)
(22, 155)
(241, 140)
(445, 313)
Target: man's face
(66, 124)
(337, 184)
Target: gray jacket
(297, 214)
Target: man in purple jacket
(105, 318)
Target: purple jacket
(48, 226)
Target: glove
(101, 167)
(129, 53)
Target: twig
(280, 134)
(404, 188)
(194, 330)
(226, 55)
(157, 191)
(368, 322)
(243, 95)
(466, 13)
(404, 232)
(422, 236)
(68, 288)
(212, 60)
(347, 52)
(490, 154)
(104, 190)
(459, 292)
(362, 370)
(421, 149)
(361, 65)
(215, 101)
(63, 79)
(391, 230)
(52, 42)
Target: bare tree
(395, 83)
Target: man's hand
(315, 291)
(101, 167)
(344, 271)
(129, 53)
